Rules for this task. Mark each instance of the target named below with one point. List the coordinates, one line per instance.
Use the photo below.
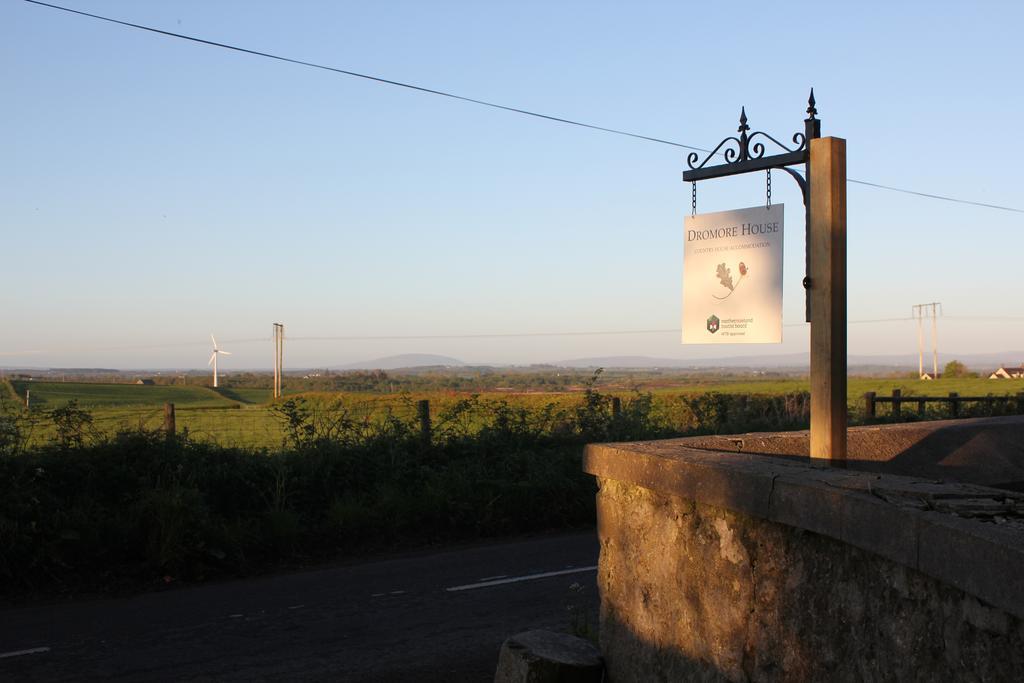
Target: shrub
(91, 512)
(73, 424)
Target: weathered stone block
(696, 592)
(983, 559)
(548, 657)
(718, 565)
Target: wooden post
(423, 413)
(616, 407)
(827, 241)
(897, 402)
(869, 405)
(920, 406)
(954, 404)
(169, 426)
(1020, 402)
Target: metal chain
(769, 189)
(693, 200)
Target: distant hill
(406, 360)
(976, 361)
(799, 361)
(624, 362)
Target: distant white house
(928, 375)
(147, 382)
(1006, 372)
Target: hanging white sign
(732, 277)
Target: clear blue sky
(154, 190)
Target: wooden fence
(955, 402)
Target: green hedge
(88, 512)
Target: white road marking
(19, 653)
(517, 579)
(397, 592)
(377, 595)
(235, 616)
(296, 607)
(492, 578)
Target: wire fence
(284, 423)
(249, 427)
(266, 426)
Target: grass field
(245, 394)
(245, 417)
(8, 397)
(858, 386)
(50, 395)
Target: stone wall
(988, 450)
(724, 566)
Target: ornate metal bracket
(745, 153)
(743, 157)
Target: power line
(404, 337)
(494, 335)
(857, 322)
(471, 100)
(935, 196)
(516, 335)
(1016, 318)
(356, 74)
(484, 335)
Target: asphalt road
(415, 617)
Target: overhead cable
(356, 74)
(472, 100)
(484, 335)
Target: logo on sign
(713, 323)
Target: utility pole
(920, 342)
(919, 313)
(278, 357)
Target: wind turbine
(213, 358)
